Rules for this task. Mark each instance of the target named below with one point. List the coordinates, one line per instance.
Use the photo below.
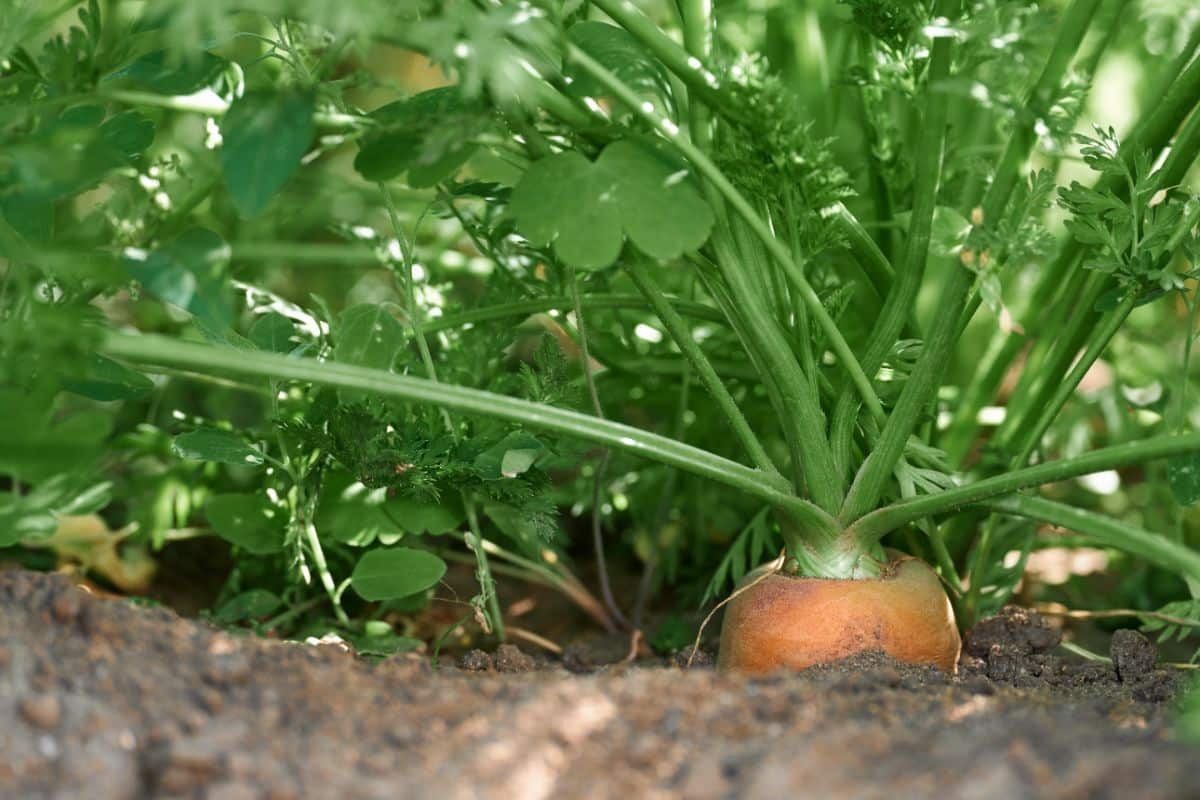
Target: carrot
(795, 622)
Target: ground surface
(102, 699)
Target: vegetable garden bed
(100, 698)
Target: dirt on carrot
(102, 698)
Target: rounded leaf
(389, 573)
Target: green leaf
(36, 443)
(368, 336)
(210, 444)
(166, 72)
(189, 273)
(586, 208)
(621, 54)
(389, 573)
(274, 333)
(510, 457)
(23, 519)
(129, 133)
(429, 136)
(381, 643)
(1183, 473)
(249, 521)
(253, 604)
(107, 380)
(265, 136)
(433, 518)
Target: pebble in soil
(145, 704)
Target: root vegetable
(796, 622)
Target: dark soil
(103, 699)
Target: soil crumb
(103, 699)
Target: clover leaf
(587, 208)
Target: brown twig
(771, 568)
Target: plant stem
(711, 173)
(590, 301)
(878, 523)
(928, 169)
(589, 379)
(699, 79)
(214, 106)
(160, 350)
(876, 471)
(487, 585)
(1152, 547)
(682, 337)
(1100, 337)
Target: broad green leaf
(167, 73)
(394, 572)
(948, 230)
(128, 133)
(368, 336)
(211, 444)
(249, 521)
(1183, 473)
(107, 380)
(72, 152)
(189, 272)
(36, 443)
(382, 643)
(274, 333)
(429, 136)
(508, 458)
(252, 604)
(586, 208)
(622, 55)
(265, 135)
(433, 518)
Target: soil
(100, 698)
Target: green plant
(507, 286)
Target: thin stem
(590, 301)
(487, 586)
(898, 305)
(601, 465)
(875, 525)
(407, 249)
(163, 351)
(699, 79)
(1152, 547)
(214, 106)
(1100, 337)
(872, 478)
(823, 485)
(682, 337)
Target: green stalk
(787, 387)
(163, 351)
(1181, 85)
(1152, 547)
(682, 336)
(802, 419)
(688, 67)
(697, 19)
(711, 173)
(898, 305)
(877, 524)
(873, 477)
(1100, 337)
(1050, 392)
